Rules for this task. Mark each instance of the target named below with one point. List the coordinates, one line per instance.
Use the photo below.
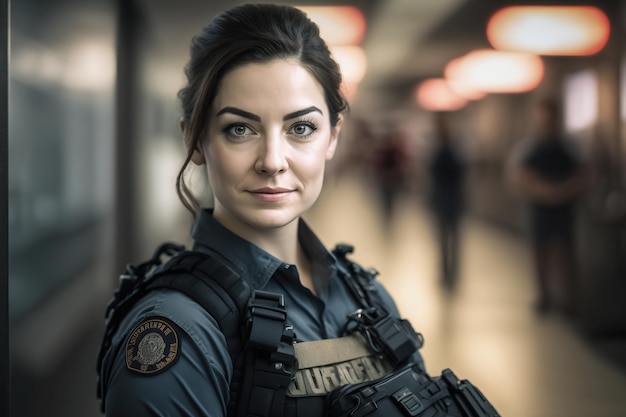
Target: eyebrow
(239, 112)
(252, 116)
(301, 113)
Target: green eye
(303, 130)
(237, 131)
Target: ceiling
(405, 42)
(395, 29)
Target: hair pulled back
(251, 33)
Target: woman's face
(268, 142)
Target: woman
(262, 112)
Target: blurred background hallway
(94, 149)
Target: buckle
(270, 333)
(268, 305)
(266, 318)
(409, 401)
(385, 334)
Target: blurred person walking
(446, 170)
(547, 170)
(391, 162)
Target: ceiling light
(352, 62)
(339, 25)
(435, 94)
(493, 71)
(464, 88)
(549, 30)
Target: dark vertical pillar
(614, 11)
(620, 30)
(127, 127)
(4, 227)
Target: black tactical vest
(268, 380)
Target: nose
(272, 155)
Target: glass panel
(61, 128)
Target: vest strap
(272, 359)
(269, 331)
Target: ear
(334, 138)
(197, 157)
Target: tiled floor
(527, 366)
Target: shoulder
(366, 279)
(166, 348)
(386, 298)
(182, 313)
(382, 298)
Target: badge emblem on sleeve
(152, 346)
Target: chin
(275, 219)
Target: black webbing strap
(383, 332)
(215, 286)
(358, 280)
(272, 358)
(258, 319)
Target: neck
(282, 243)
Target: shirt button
(287, 266)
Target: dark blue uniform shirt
(554, 160)
(197, 382)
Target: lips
(271, 194)
(270, 190)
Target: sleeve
(172, 362)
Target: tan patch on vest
(322, 378)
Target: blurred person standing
(547, 170)
(446, 171)
(353, 158)
(391, 162)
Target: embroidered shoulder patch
(152, 346)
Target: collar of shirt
(252, 261)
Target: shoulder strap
(205, 278)
(259, 341)
(245, 317)
(214, 285)
(384, 333)
(360, 281)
